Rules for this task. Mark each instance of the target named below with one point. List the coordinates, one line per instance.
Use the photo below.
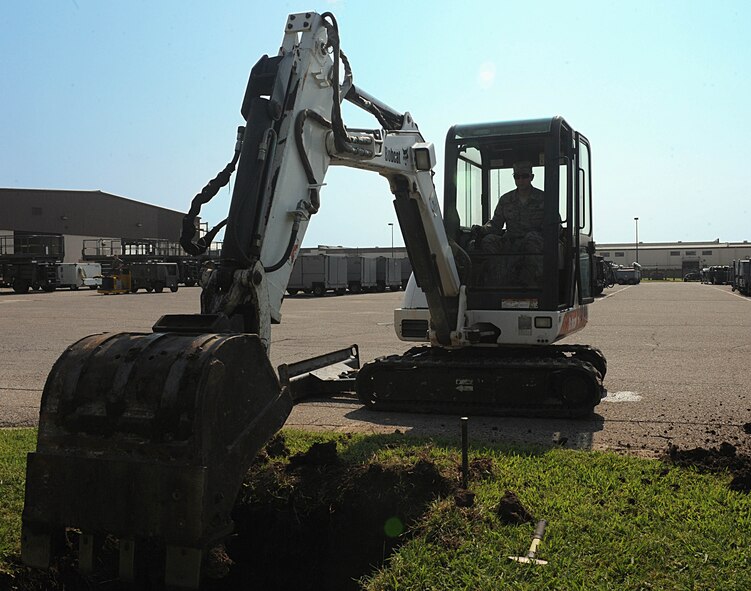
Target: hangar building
(80, 215)
(675, 259)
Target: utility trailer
(628, 275)
(318, 273)
(742, 276)
(77, 275)
(718, 275)
(389, 274)
(361, 273)
(29, 260)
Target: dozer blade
(524, 382)
(147, 437)
(328, 374)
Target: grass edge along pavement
(614, 521)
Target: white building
(675, 259)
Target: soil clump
(724, 458)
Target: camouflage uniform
(523, 234)
(523, 224)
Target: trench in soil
(309, 523)
(316, 523)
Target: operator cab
(554, 269)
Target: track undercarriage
(555, 381)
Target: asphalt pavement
(677, 353)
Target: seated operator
(521, 211)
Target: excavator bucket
(147, 437)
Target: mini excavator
(147, 437)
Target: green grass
(14, 443)
(614, 522)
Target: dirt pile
(714, 460)
(511, 512)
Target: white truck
(77, 275)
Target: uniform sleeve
(498, 220)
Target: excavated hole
(308, 523)
(316, 523)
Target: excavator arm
(147, 436)
(293, 133)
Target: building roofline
(675, 245)
(37, 190)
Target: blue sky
(141, 99)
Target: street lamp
(392, 239)
(636, 221)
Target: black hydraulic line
(342, 140)
(207, 193)
(302, 117)
(288, 251)
(314, 202)
(340, 132)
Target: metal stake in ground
(530, 558)
(465, 454)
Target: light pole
(636, 221)
(392, 239)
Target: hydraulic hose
(207, 193)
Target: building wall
(86, 213)
(675, 256)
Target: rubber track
(524, 382)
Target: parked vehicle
(742, 280)
(361, 273)
(77, 275)
(628, 275)
(317, 274)
(26, 275)
(389, 274)
(718, 275)
(28, 260)
(115, 284)
(692, 276)
(153, 276)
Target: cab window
(469, 187)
